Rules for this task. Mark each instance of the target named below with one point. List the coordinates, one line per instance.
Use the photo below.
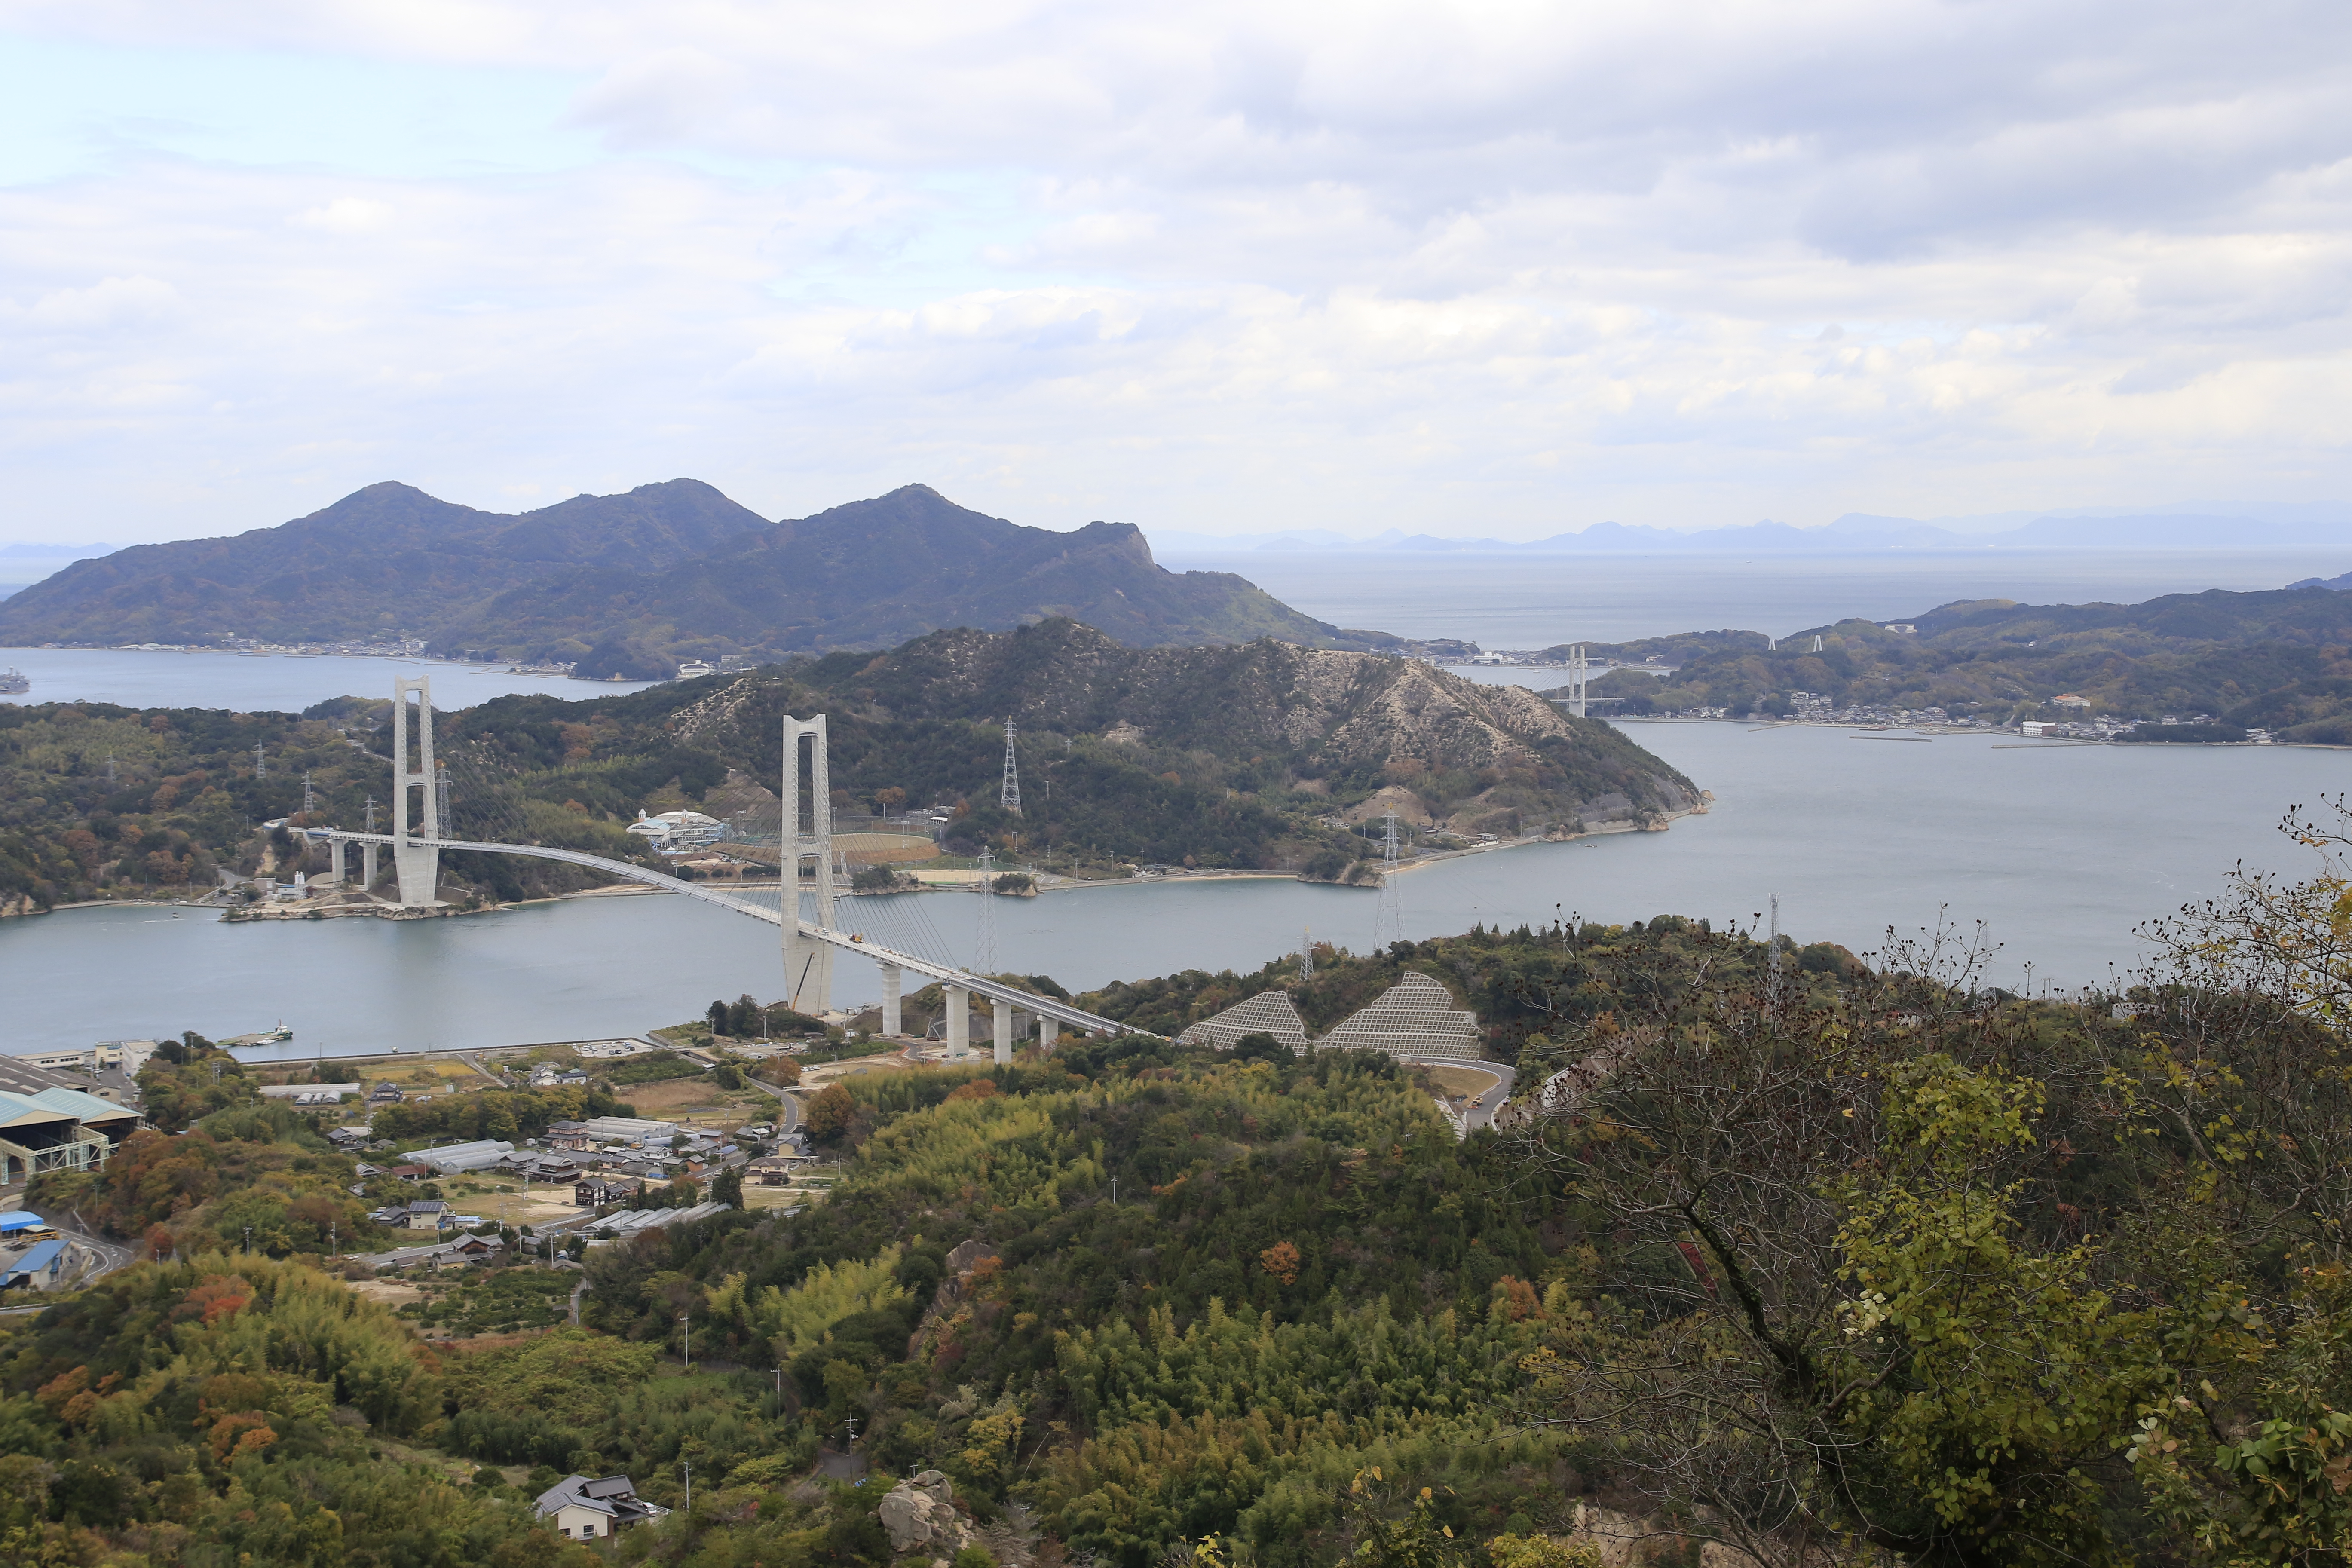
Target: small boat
(13, 681)
(271, 1037)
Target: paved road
(1480, 1111)
(111, 1256)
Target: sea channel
(2063, 851)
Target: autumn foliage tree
(830, 1113)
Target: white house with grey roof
(585, 1510)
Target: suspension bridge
(812, 934)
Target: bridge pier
(1003, 1021)
(335, 861)
(892, 978)
(959, 1021)
(367, 866)
(1049, 1032)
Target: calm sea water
(249, 683)
(2061, 850)
(1536, 601)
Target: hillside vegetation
(1261, 756)
(629, 585)
(2276, 661)
(1819, 1261)
(98, 801)
(1810, 1259)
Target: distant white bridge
(808, 945)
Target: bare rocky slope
(1312, 733)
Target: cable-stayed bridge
(418, 835)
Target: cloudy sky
(1476, 269)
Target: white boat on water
(13, 681)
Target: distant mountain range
(1855, 534)
(629, 585)
(52, 551)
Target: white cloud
(1496, 268)
(346, 215)
(107, 304)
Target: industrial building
(452, 1158)
(47, 1125)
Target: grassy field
(700, 1101)
(506, 1203)
(818, 1076)
(1464, 1081)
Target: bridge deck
(995, 990)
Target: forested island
(1265, 756)
(2273, 661)
(1778, 1251)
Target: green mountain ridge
(629, 585)
(2280, 660)
(1265, 757)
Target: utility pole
(248, 1241)
(688, 1464)
(688, 1319)
(1011, 797)
(1774, 950)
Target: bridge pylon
(808, 964)
(417, 795)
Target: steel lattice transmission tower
(1011, 797)
(1388, 924)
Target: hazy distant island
(630, 585)
(2274, 663)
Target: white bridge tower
(808, 964)
(417, 796)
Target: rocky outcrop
(920, 1517)
(1321, 709)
